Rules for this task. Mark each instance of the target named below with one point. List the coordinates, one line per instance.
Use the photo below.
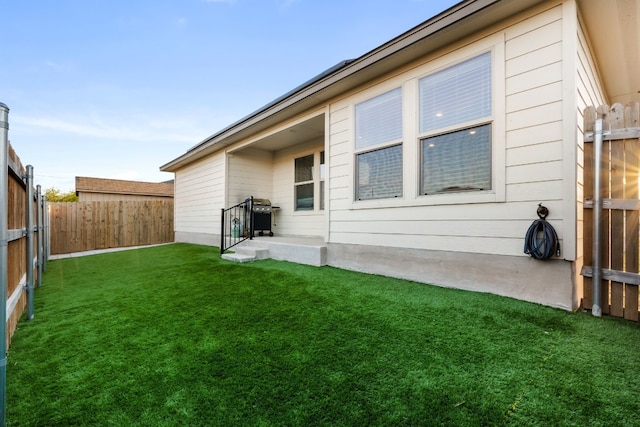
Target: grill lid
(262, 202)
(262, 205)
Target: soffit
(613, 28)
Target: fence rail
(619, 219)
(85, 226)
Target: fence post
(45, 232)
(4, 237)
(40, 229)
(46, 235)
(596, 310)
(29, 252)
(222, 237)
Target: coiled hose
(541, 240)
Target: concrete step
(257, 251)
(247, 253)
(236, 257)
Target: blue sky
(115, 89)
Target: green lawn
(175, 336)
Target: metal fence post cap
(4, 116)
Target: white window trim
(412, 136)
(315, 181)
(388, 144)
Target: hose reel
(541, 240)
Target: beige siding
(250, 172)
(339, 157)
(589, 87)
(534, 102)
(528, 153)
(589, 92)
(200, 196)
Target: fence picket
(617, 176)
(620, 216)
(632, 228)
(617, 226)
(17, 264)
(632, 157)
(605, 246)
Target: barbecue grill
(261, 216)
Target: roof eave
(317, 90)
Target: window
(457, 97)
(304, 183)
(457, 161)
(378, 123)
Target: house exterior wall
(449, 230)
(199, 194)
(249, 174)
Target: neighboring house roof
(453, 24)
(118, 186)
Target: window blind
(379, 173)
(379, 120)
(459, 94)
(457, 161)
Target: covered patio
(285, 168)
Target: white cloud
(139, 129)
(285, 4)
(62, 144)
(57, 67)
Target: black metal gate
(236, 225)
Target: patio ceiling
(293, 135)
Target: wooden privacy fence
(85, 226)
(26, 245)
(619, 241)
